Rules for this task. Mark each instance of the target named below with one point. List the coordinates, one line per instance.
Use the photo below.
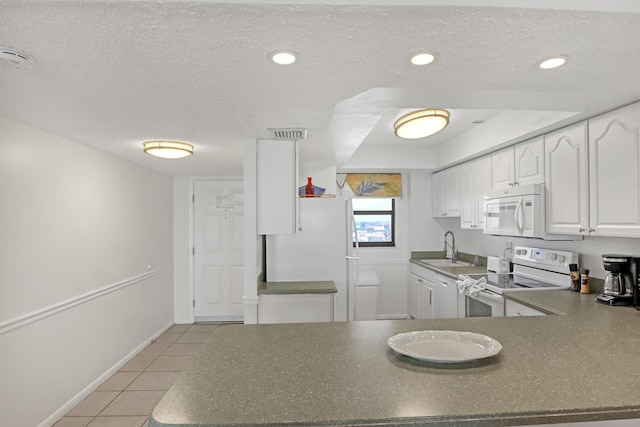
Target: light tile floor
(128, 396)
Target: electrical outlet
(508, 246)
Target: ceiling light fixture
(553, 62)
(11, 58)
(422, 58)
(168, 149)
(421, 124)
(283, 57)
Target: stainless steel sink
(446, 263)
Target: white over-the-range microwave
(519, 211)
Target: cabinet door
(415, 297)
(502, 168)
(452, 191)
(445, 298)
(277, 175)
(614, 161)
(468, 195)
(427, 301)
(566, 177)
(483, 187)
(437, 195)
(529, 162)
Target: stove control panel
(544, 258)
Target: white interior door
(218, 250)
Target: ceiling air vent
(288, 133)
(9, 58)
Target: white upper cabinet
(503, 168)
(520, 164)
(475, 183)
(438, 202)
(529, 159)
(614, 176)
(445, 192)
(567, 180)
(277, 175)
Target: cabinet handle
(516, 183)
(592, 230)
(581, 230)
(511, 184)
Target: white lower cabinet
(445, 298)
(512, 308)
(421, 298)
(432, 295)
(295, 308)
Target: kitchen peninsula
(551, 369)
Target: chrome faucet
(454, 251)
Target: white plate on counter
(444, 346)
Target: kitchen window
(375, 222)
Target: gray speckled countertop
(551, 369)
(306, 287)
(452, 272)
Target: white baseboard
(60, 412)
(200, 319)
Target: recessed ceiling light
(283, 57)
(421, 124)
(553, 62)
(422, 58)
(168, 149)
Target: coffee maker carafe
(618, 285)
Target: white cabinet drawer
(512, 308)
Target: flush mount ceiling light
(422, 58)
(11, 58)
(168, 149)
(553, 62)
(422, 123)
(283, 57)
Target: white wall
(85, 269)
(426, 233)
(391, 264)
(183, 293)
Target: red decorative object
(308, 191)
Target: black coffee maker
(634, 270)
(621, 284)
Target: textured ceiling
(110, 74)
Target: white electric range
(533, 269)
